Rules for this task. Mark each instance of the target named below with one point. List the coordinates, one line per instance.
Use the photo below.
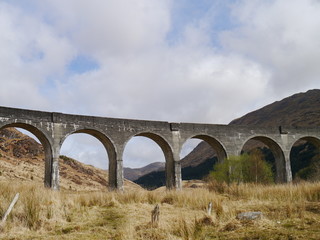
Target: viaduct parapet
(53, 128)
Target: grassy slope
(289, 212)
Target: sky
(204, 61)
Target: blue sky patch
(187, 12)
(82, 64)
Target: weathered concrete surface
(53, 128)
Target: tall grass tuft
(32, 208)
(185, 230)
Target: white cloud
(30, 52)
(95, 154)
(173, 84)
(141, 151)
(111, 28)
(281, 36)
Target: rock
(249, 215)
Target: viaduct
(53, 128)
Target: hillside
(135, 173)
(191, 161)
(22, 159)
(302, 109)
(195, 165)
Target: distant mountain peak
(134, 173)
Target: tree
(311, 172)
(230, 170)
(256, 169)
(243, 168)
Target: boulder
(249, 215)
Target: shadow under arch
(172, 180)
(214, 143)
(313, 140)
(47, 147)
(303, 141)
(110, 149)
(278, 154)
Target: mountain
(299, 110)
(22, 159)
(302, 109)
(135, 173)
(195, 165)
(196, 157)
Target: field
(289, 212)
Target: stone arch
(47, 147)
(214, 143)
(315, 141)
(110, 149)
(280, 161)
(171, 172)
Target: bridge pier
(173, 174)
(115, 166)
(177, 175)
(115, 174)
(287, 167)
(51, 178)
(119, 176)
(176, 148)
(112, 170)
(55, 180)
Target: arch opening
(28, 148)
(203, 152)
(305, 159)
(87, 161)
(266, 149)
(148, 161)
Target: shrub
(244, 168)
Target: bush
(244, 168)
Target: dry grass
(289, 212)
